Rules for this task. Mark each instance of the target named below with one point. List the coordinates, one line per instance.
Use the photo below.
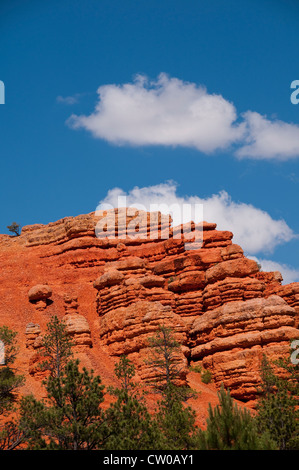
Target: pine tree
(72, 418)
(231, 428)
(32, 421)
(56, 347)
(278, 404)
(76, 415)
(290, 368)
(10, 382)
(125, 372)
(10, 436)
(131, 425)
(162, 357)
(8, 338)
(14, 228)
(175, 420)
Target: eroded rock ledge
(114, 293)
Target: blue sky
(178, 98)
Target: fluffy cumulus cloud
(172, 112)
(254, 229)
(269, 139)
(167, 111)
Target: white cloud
(288, 273)
(172, 112)
(167, 111)
(254, 229)
(269, 139)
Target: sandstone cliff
(115, 292)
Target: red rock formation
(113, 292)
(231, 339)
(290, 293)
(125, 330)
(76, 324)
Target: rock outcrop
(126, 330)
(231, 340)
(76, 324)
(114, 291)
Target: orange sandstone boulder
(240, 267)
(39, 292)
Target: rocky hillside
(114, 293)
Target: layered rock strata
(231, 340)
(115, 284)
